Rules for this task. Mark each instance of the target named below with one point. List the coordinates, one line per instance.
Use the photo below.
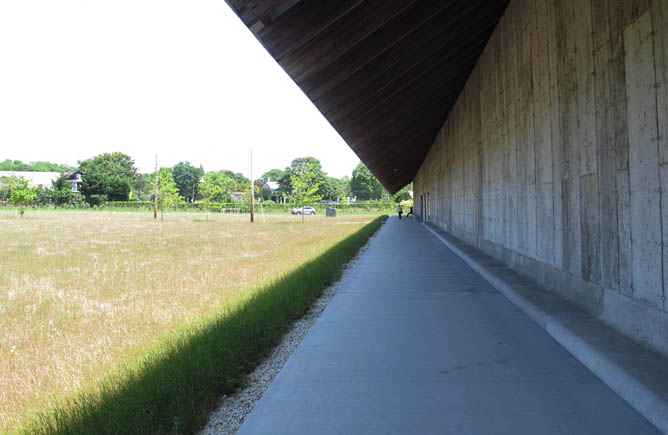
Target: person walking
(410, 212)
(400, 211)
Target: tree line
(110, 177)
(18, 165)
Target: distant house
(34, 179)
(273, 187)
(75, 179)
(236, 196)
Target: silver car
(304, 210)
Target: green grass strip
(175, 386)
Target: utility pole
(155, 199)
(252, 190)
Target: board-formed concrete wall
(555, 157)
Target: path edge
(650, 404)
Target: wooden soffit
(385, 73)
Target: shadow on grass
(173, 389)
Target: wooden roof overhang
(385, 73)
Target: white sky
(185, 79)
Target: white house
(75, 179)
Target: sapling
(168, 193)
(305, 186)
(22, 195)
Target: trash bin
(330, 212)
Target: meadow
(83, 295)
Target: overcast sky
(183, 79)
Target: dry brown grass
(81, 292)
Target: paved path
(417, 342)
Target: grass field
(82, 294)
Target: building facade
(554, 159)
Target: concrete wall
(555, 157)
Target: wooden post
(155, 198)
(252, 190)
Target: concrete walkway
(415, 341)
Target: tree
(213, 190)
(296, 167)
(226, 183)
(168, 193)
(328, 189)
(142, 189)
(237, 177)
(285, 184)
(61, 191)
(6, 186)
(108, 176)
(22, 195)
(187, 179)
(305, 186)
(335, 189)
(364, 185)
(344, 186)
(231, 181)
(404, 194)
(14, 165)
(44, 195)
(262, 191)
(210, 190)
(311, 163)
(18, 165)
(273, 175)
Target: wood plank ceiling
(385, 73)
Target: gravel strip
(233, 408)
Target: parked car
(304, 210)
